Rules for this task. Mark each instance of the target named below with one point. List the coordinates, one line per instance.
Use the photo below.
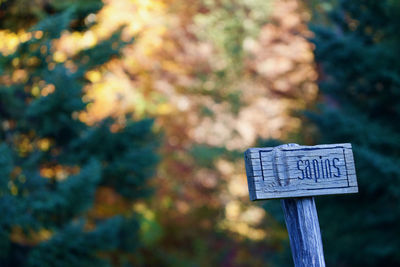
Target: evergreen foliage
(357, 51)
(52, 164)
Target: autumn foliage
(123, 126)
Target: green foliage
(360, 82)
(83, 246)
(50, 218)
(206, 156)
(227, 25)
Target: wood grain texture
(304, 233)
(297, 171)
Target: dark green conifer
(358, 53)
(93, 156)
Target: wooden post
(303, 227)
(295, 174)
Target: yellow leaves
(164, 109)
(24, 36)
(58, 172)
(245, 230)
(47, 172)
(35, 91)
(38, 34)
(43, 49)
(48, 89)
(244, 221)
(71, 43)
(237, 186)
(9, 42)
(19, 76)
(44, 234)
(142, 209)
(149, 5)
(111, 97)
(173, 66)
(94, 76)
(59, 56)
(112, 93)
(33, 61)
(253, 215)
(44, 144)
(232, 210)
(120, 12)
(89, 39)
(18, 235)
(15, 62)
(23, 144)
(14, 190)
(150, 229)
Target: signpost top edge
(300, 147)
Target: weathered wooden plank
(293, 171)
(252, 195)
(257, 173)
(260, 194)
(304, 233)
(293, 186)
(353, 180)
(257, 168)
(249, 174)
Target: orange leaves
(216, 75)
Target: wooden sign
(298, 171)
(296, 174)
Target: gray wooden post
(305, 237)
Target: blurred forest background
(124, 122)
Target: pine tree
(359, 58)
(52, 164)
